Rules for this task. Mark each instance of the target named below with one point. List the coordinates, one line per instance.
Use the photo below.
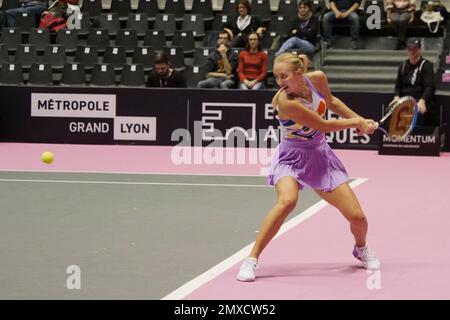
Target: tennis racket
(400, 118)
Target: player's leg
(287, 195)
(344, 199)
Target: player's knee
(287, 203)
(358, 217)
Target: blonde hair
(298, 62)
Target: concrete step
(361, 69)
(356, 78)
(364, 87)
(357, 61)
(391, 53)
(368, 60)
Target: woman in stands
(240, 27)
(303, 159)
(252, 64)
(400, 13)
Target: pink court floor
(406, 199)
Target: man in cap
(415, 78)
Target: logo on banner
(135, 128)
(92, 106)
(73, 105)
(231, 118)
(88, 127)
(349, 136)
(411, 141)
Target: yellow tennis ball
(47, 157)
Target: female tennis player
(303, 159)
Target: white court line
(226, 264)
(139, 183)
(141, 173)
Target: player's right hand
(373, 125)
(363, 127)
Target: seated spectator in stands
(163, 75)
(439, 7)
(434, 14)
(240, 27)
(36, 7)
(304, 29)
(59, 8)
(415, 78)
(252, 64)
(221, 65)
(345, 10)
(57, 13)
(400, 13)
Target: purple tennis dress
(304, 153)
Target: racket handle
(377, 125)
(383, 130)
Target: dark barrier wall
(163, 116)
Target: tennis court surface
(134, 225)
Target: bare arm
(223, 54)
(334, 9)
(226, 65)
(217, 74)
(335, 104)
(298, 113)
(353, 8)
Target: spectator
(252, 65)
(400, 13)
(415, 78)
(242, 25)
(163, 75)
(345, 10)
(433, 14)
(59, 8)
(36, 7)
(221, 65)
(304, 29)
(55, 17)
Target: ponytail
(304, 62)
(298, 62)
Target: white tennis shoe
(247, 270)
(367, 257)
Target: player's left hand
(373, 125)
(422, 107)
(369, 127)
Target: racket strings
(401, 120)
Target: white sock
(360, 249)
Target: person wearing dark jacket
(304, 29)
(221, 66)
(240, 27)
(415, 78)
(163, 75)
